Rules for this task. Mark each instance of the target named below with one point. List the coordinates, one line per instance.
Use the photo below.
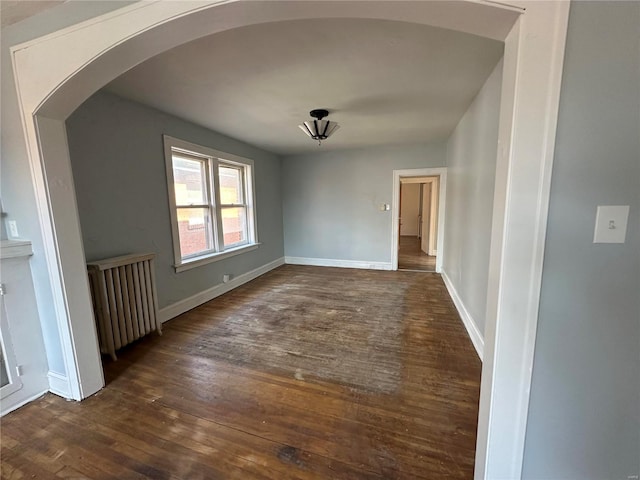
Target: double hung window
(212, 203)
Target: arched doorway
(55, 74)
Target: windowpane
(230, 185)
(193, 227)
(4, 378)
(189, 180)
(213, 201)
(234, 225)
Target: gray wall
(584, 418)
(471, 166)
(119, 172)
(332, 200)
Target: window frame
(212, 159)
(245, 204)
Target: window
(211, 200)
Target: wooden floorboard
(304, 373)
(411, 256)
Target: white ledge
(15, 249)
(214, 257)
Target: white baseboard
(16, 406)
(469, 323)
(178, 308)
(59, 384)
(328, 262)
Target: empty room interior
(291, 245)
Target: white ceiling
(14, 11)
(384, 82)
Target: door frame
(56, 73)
(441, 173)
(434, 200)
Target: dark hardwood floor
(304, 373)
(411, 257)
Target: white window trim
(216, 156)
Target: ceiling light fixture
(319, 129)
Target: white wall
(331, 200)
(18, 196)
(584, 416)
(471, 165)
(19, 313)
(410, 208)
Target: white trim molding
(469, 323)
(214, 257)
(531, 81)
(59, 384)
(331, 262)
(22, 403)
(441, 173)
(15, 249)
(178, 308)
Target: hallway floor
(411, 257)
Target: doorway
(84, 58)
(418, 223)
(418, 219)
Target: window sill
(214, 257)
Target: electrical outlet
(13, 229)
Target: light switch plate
(611, 224)
(13, 228)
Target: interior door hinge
(2, 289)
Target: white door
(426, 217)
(433, 224)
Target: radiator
(125, 302)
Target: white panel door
(426, 217)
